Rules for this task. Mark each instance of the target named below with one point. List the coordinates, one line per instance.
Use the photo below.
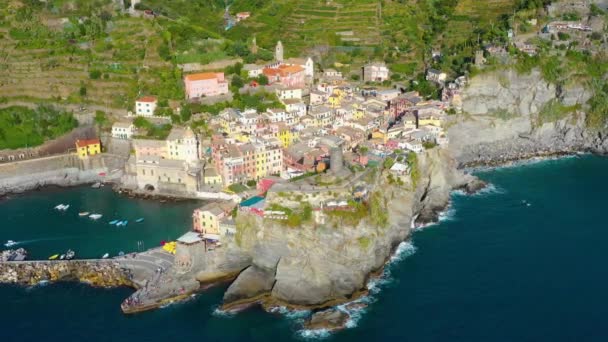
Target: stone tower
(336, 160)
(254, 46)
(278, 52)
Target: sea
(524, 260)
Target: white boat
(105, 256)
(10, 243)
(95, 216)
(84, 213)
(62, 207)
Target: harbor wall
(60, 170)
(104, 273)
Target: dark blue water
(495, 270)
(32, 221)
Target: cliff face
(319, 264)
(502, 119)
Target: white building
(253, 70)
(145, 106)
(375, 72)
(289, 93)
(123, 130)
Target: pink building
(205, 84)
(287, 75)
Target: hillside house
(375, 72)
(123, 130)
(145, 106)
(205, 84)
(88, 147)
(434, 75)
(286, 75)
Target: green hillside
(93, 52)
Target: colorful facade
(88, 147)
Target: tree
(262, 79)
(82, 91)
(185, 113)
(237, 82)
(388, 163)
(141, 122)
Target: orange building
(88, 147)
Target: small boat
(95, 216)
(70, 254)
(83, 213)
(53, 257)
(113, 222)
(105, 256)
(62, 257)
(139, 220)
(10, 243)
(124, 223)
(96, 185)
(62, 207)
(121, 253)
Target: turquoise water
(495, 269)
(32, 221)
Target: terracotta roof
(283, 70)
(87, 142)
(201, 76)
(147, 99)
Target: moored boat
(95, 216)
(54, 257)
(10, 243)
(113, 222)
(70, 254)
(139, 220)
(83, 213)
(105, 256)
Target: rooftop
(202, 76)
(87, 142)
(147, 99)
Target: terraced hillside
(91, 51)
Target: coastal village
(318, 149)
(327, 131)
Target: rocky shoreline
(100, 274)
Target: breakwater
(103, 273)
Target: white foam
(314, 334)
(217, 312)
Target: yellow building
(88, 147)
(242, 137)
(287, 136)
(429, 120)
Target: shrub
(95, 74)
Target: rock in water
(474, 186)
(251, 283)
(330, 320)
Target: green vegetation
(554, 111)
(152, 131)
(597, 116)
(364, 242)
(24, 127)
(378, 210)
(237, 188)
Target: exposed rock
(252, 282)
(474, 186)
(330, 320)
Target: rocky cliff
(317, 264)
(509, 116)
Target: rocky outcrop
(330, 320)
(501, 120)
(251, 283)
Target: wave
(43, 239)
(217, 312)
(314, 334)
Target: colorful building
(88, 147)
(205, 84)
